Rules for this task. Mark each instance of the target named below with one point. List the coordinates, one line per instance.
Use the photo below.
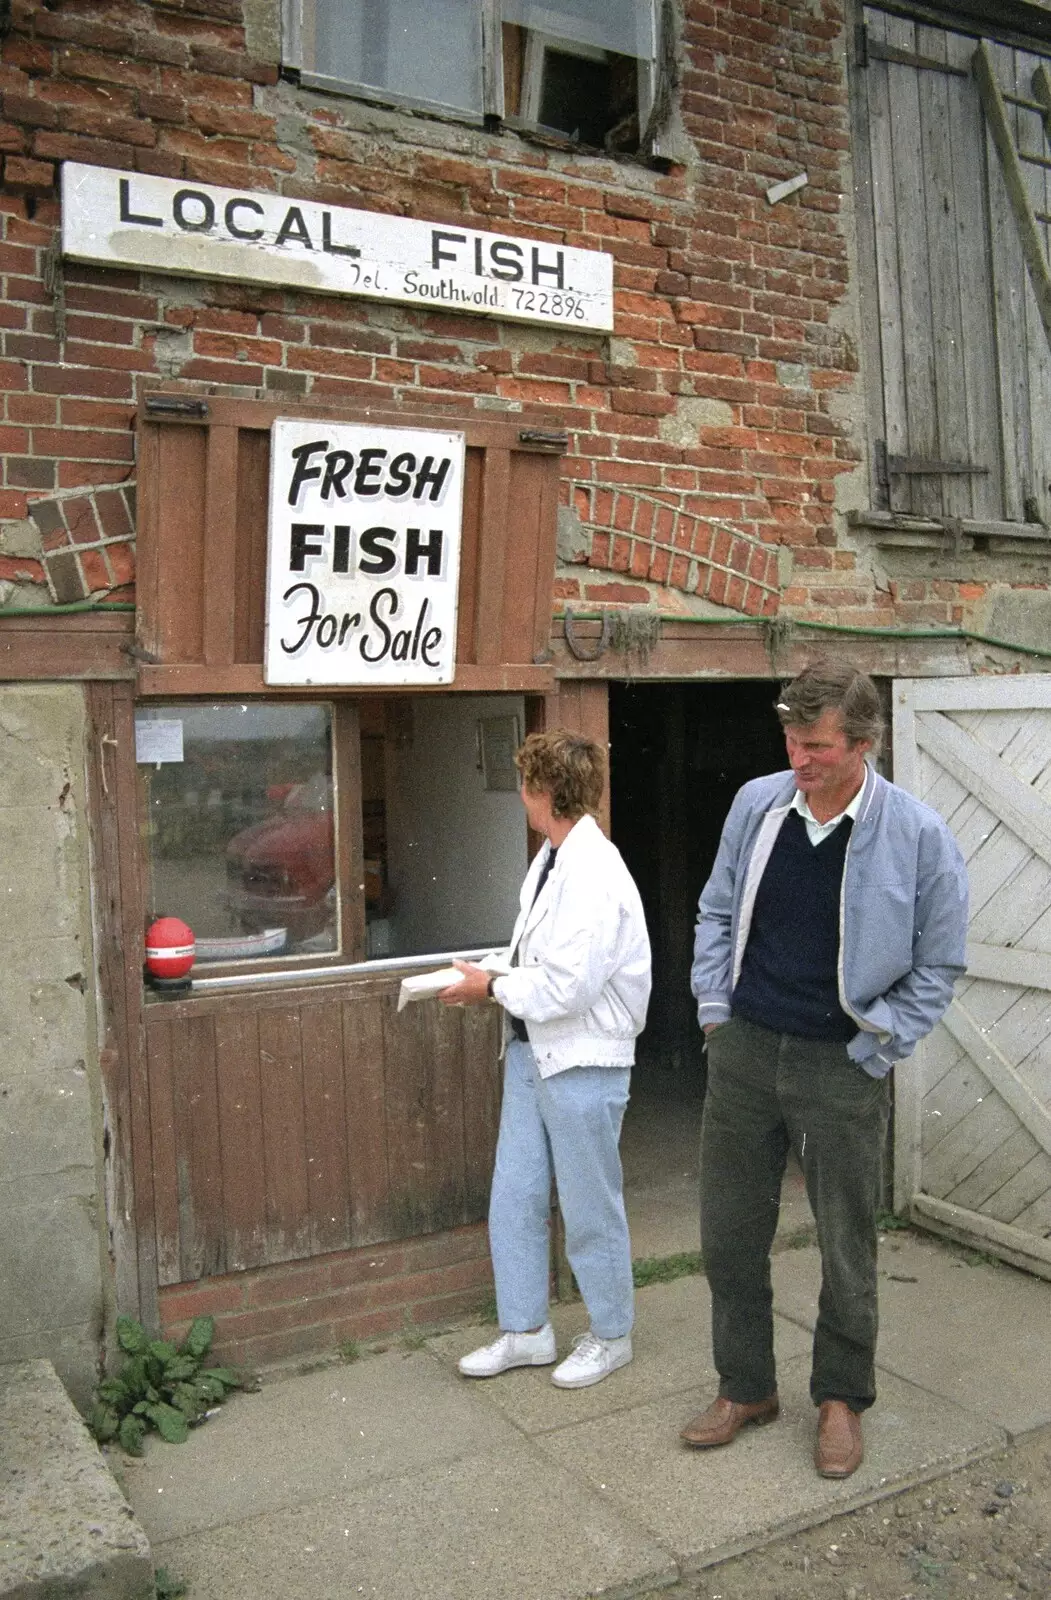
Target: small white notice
(781, 191)
(158, 740)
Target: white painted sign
(158, 740)
(363, 560)
(134, 220)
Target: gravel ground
(983, 1533)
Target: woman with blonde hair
(574, 1003)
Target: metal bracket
(953, 533)
(174, 405)
(574, 645)
(543, 439)
(921, 467)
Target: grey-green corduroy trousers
(769, 1092)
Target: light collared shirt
(816, 831)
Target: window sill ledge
(508, 128)
(894, 530)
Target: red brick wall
(718, 397)
(309, 1307)
(707, 435)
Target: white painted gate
(973, 1106)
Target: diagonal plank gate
(973, 1108)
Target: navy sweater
(788, 975)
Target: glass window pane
(420, 49)
(240, 827)
(622, 26)
(445, 832)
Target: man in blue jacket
(830, 935)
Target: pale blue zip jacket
(902, 914)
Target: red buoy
(170, 948)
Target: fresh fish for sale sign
(363, 558)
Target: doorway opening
(678, 754)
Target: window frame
(348, 851)
(297, 15)
(350, 960)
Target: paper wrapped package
(425, 985)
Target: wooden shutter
(961, 365)
(973, 1122)
(203, 486)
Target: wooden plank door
(973, 1107)
(956, 343)
(290, 1123)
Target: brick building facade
(720, 464)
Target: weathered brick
(27, 472)
(121, 558)
(21, 569)
(30, 111)
(77, 147)
(67, 582)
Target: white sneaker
(592, 1360)
(511, 1350)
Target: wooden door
(973, 1107)
(286, 1124)
(960, 360)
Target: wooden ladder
(1030, 221)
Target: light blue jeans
(568, 1124)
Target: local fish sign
(163, 225)
(363, 559)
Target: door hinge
(861, 45)
(891, 466)
(867, 50)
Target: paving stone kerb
(66, 1528)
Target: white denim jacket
(582, 979)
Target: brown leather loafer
(838, 1451)
(724, 1420)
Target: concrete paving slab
(672, 1344)
(664, 1216)
(511, 1526)
(305, 1437)
(706, 1505)
(977, 1332)
(65, 1527)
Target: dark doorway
(678, 754)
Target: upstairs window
(582, 70)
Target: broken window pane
(622, 27)
(580, 68)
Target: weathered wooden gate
(957, 350)
(973, 1108)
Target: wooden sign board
(250, 236)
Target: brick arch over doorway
(663, 539)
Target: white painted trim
(995, 1067)
(903, 737)
(989, 778)
(908, 1102)
(971, 1227)
(292, 33)
(1025, 692)
(1029, 969)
